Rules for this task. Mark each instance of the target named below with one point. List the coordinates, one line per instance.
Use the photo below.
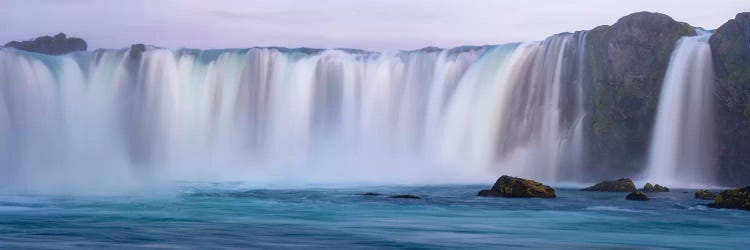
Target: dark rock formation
(513, 187)
(648, 188)
(486, 193)
(405, 196)
(637, 196)
(627, 61)
(730, 49)
(370, 194)
(704, 195)
(619, 185)
(51, 45)
(136, 51)
(733, 198)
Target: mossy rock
(637, 196)
(733, 198)
(514, 187)
(648, 188)
(704, 194)
(619, 185)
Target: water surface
(200, 216)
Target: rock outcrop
(51, 45)
(648, 188)
(636, 196)
(136, 51)
(513, 187)
(627, 61)
(730, 49)
(704, 195)
(619, 185)
(733, 198)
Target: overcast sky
(377, 25)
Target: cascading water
(540, 133)
(682, 147)
(117, 117)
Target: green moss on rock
(648, 188)
(513, 187)
(704, 195)
(619, 185)
(733, 198)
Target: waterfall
(535, 135)
(683, 147)
(120, 118)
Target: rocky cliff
(627, 62)
(51, 45)
(730, 48)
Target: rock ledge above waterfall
(51, 45)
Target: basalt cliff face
(627, 64)
(730, 47)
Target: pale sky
(373, 25)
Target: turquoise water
(201, 216)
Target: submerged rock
(50, 45)
(648, 188)
(619, 185)
(513, 187)
(733, 198)
(370, 194)
(637, 196)
(704, 195)
(405, 196)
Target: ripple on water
(610, 208)
(14, 208)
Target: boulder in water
(648, 188)
(637, 196)
(405, 196)
(513, 187)
(704, 194)
(619, 185)
(51, 45)
(733, 198)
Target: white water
(101, 119)
(683, 144)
